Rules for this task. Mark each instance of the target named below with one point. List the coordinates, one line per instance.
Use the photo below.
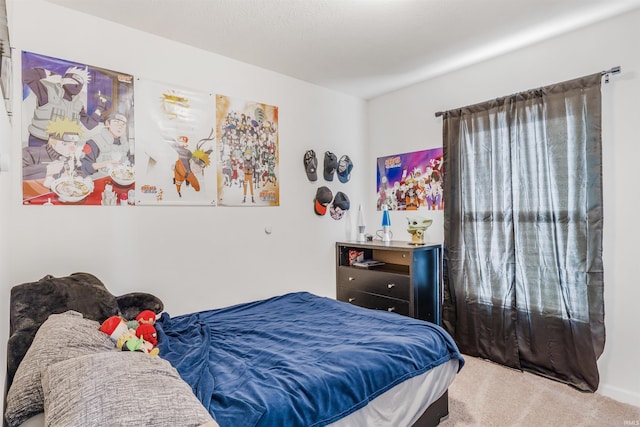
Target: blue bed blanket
(297, 359)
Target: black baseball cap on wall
(322, 200)
(330, 165)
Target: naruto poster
(411, 181)
(248, 147)
(76, 133)
(175, 145)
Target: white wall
(5, 135)
(194, 258)
(404, 121)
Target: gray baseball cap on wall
(330, 165)
(311, 165)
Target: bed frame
(437, 412)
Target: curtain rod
(611, 71)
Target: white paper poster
(248, 146)
(175, 145)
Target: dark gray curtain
(523, 230)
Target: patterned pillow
(119, 389)
(61, 337)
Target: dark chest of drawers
(408, 282)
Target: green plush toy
(129, 342)
(133, 324)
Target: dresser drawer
(375, 281)
(377, 302)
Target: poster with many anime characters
(175, 145)
(76, 133)
(248, 150)
(411, 181)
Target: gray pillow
(61, 337)
(119, 389)
(32, 303)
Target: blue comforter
(297, 359)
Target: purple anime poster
(76, 133)
(248, 149)
(411, 181)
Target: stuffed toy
(129, 342)
(115, 327)
(148, 332)
(146, 317)
(132, 324)
(125, 338)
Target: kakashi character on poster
(58, 96)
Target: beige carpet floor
(487, 394)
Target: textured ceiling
(360, 47)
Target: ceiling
(360, 47)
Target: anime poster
(175, 145)
(248, 148)
(76, 134)
(411, 181)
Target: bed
(295, 359)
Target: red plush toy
(148, 333)
(146, 316)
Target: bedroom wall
(404, 121)
(5, 134)
(194, 258)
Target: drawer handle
(391, 285)
(391, 309)
(352, 299)
(351, 279)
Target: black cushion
(134, 303)
(32, 303)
